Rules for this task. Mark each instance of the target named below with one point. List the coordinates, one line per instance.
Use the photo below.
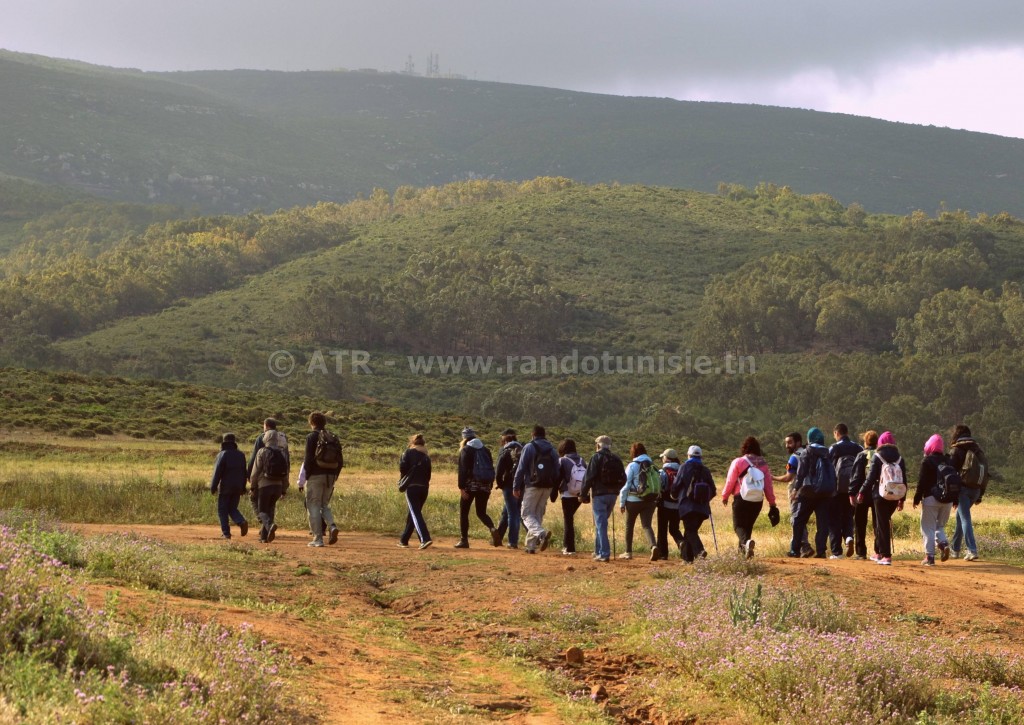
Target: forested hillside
(237, 141)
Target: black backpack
(328, 451)
(947, 483)
(820, 481)
(483, 466)
(276, 465)
(844, 473)
(612, 473)
(546, 472)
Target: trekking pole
(713, 536)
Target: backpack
(891, 486)
(752, 484)
(972, 474)
(483, 466)
(648, 482)
(821, 479)
(699, 490)
(276, 465)
(576, 476)
(844, 473)
(611, 474)
(328, 451)
(668, 479)
(947, 483)
(546, 472)
(513, 453)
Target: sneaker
(749, 549)
(545, 539)
(332, 537)
(463, 544)
(885, 561)
(511, 546)
(271, 533)
(596, 556)
(655, 555)
(243, 528)
(807, 553)
(316, 543)
(495, 537)
(703, 554)
(875, 558)
(530, 551)
(860, 557)
(849, 546)
(603, 559)
(403, 545)
(835, 556)
(955, 554)
(263, 533)
(943, 551)
(928, 561)
(792, 555)
(970, 556)
(566, 552)
(625, 555)
(225, 536)
(426, 544)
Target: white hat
(693, 452)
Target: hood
(229, 446)
(475, 443)
(542, 444)
(512, 444)
(642, 457)
(421, 449)
(672, 465)
(273, 439)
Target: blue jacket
(632, 472)
(525, 469)
(688, 505)
(229, 471)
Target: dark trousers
(692, 545)
(267, 504)
(645, 510)
(668, 523)
(744, 515)
(227, 510)
(415, 497)
(569, 507)
(468, 500)
(840, 522)
(860, 528)
(804, 508)
(883, 526)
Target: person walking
(694, 488)
(323, 462)
(270, 481)
(268, 424)
(815, 487)
(862, 500)
(536, 482)
(886, 480)
(511, 512)
(228, 484)
(476, 476)
(605, 474)
(967, 457)
(668, 507)
(415, 469)
(842, 454)
(749, 482)
(637, 499)
(934, 511)
(794, 450)
(574, 470)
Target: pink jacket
(736, 471)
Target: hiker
(638, 498)
(574, 470)
(230, 477)
(794, 449)
(269, 481)
(966, 456)
(536, 481)
(476, 475)
(414, 468)
(694, 488)
(268, 424)
(323, 462)
(511, 513)
(935, 509)
(301, 484)
(668, 507)
(886, 482)
(862, 500)
(605, 474)
(815, 487)
(749, 482)
(842, 454)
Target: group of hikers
(841, 485)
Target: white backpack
(752, 484)
(579, 470)
(890, 482)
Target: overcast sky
(955, 63)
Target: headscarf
(935, 444)
(887, 439)
(814, 435)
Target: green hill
(231, 141)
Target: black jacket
(593, 485)
(958, 452)
(229, 470)
(927, 476)
(309, 459)
(415, 463)
(890, 454)
(858, 482)
(504, 469)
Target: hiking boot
(511, 546)
(749, 549)
(243, 528)
(495, 537)
(316, 543)
(545, 539)
(271, 533)
(849, 546)
(860, 557)
(225, 536)
(626, 555)
(703, 554)
(970, 556)
(263, 533)
(426, 544)
(529, 551)
(806, 551)
(332, 536)
(928, 561)
(463, 544)
(943, 551)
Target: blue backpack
(483, 467)
(820, 481)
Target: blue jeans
(511, 517)
(603, 506)
(227, 508)
(964, 531)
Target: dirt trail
(398, 635)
